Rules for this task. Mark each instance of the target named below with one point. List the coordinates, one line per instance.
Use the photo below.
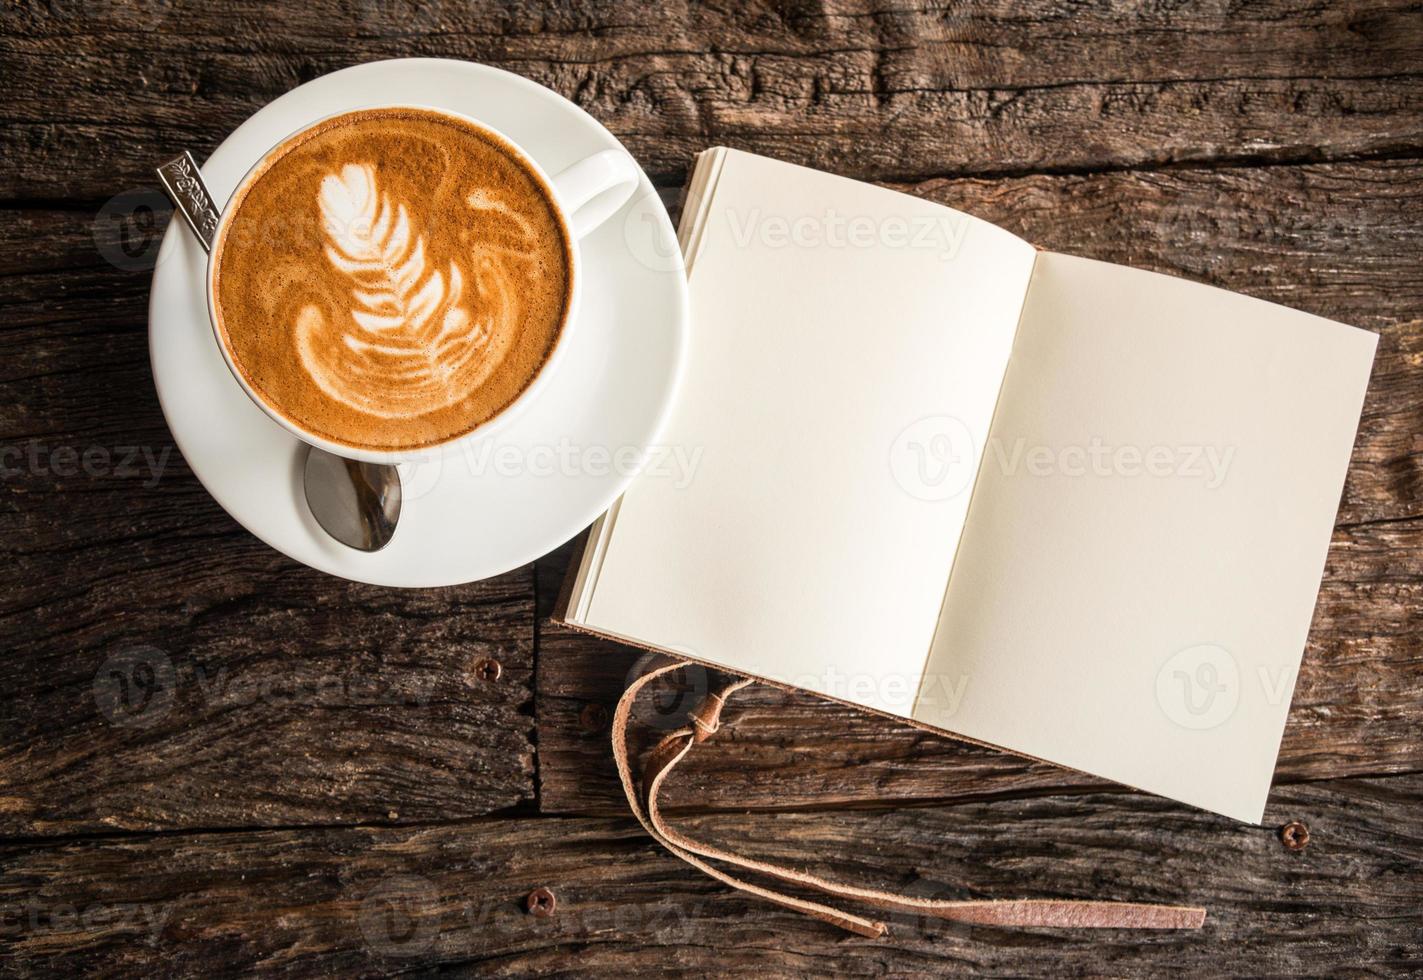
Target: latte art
(392, 279)
(410, 346)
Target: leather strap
(705, 720)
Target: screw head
(593, 718)
(540, 902)
(488, 669)
(1295, 835)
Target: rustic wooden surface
(368, 900)
(215, 762)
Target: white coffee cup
(584, 195)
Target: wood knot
(1295, 835)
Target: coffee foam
(391, 278)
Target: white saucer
(503, 501)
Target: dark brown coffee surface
(391, 278)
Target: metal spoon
(356, 503)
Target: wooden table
(214, 761)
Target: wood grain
(372, 901)
(862, 87)
(248, 692)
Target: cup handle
(593, 189)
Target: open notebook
(1072, 509)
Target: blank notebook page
(828, 316)
(1136, 579)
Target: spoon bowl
(356, 503)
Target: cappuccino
(390, 279)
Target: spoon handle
(184, 184)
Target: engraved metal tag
(190, 196)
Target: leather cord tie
(705, 720)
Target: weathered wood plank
(204, 682)
(1339, 240)
(163, 668)
(369, 901)
(857, 86)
